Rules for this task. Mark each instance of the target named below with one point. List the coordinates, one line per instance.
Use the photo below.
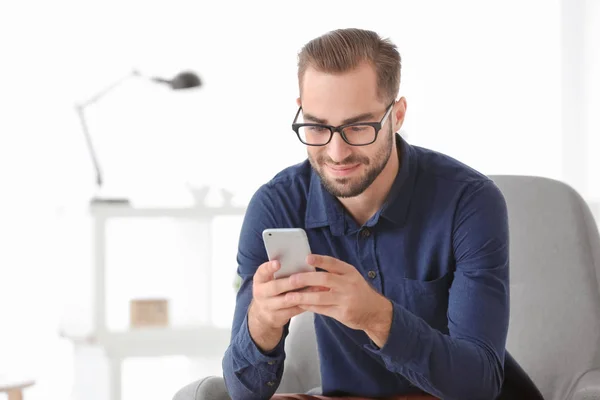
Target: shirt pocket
(427, 299)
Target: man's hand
(270, 310)
(349, 298)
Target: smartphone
(289, 246)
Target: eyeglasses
(355, 134)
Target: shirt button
(372, 274)
(365, 232)
(271, 383)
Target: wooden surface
(309, 397)
(15, 394)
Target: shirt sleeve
(468, 362)
(250, 373)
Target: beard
(352, 187)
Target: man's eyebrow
(312, 118)
(358, 118)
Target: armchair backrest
(554, 331)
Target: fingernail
(275, 264)
(310, 259)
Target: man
(411, 292)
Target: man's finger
(321, 279)
(329, 264)
(265, 272)
(280, 303)
(279, 286)
(311, 298)
(311, 289)
(323, 310)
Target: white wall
(482, 79)
(477, 75)
(580, 94)
(591, 102)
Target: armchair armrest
(587, 387)
(209, 388)
(213, 388)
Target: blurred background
(508, 87)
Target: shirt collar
(395, 208)
(324, 209)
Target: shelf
(200, 341)
(127, 211)
(8, 383)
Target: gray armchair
(554, 330)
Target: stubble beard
(352, 187)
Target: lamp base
(110, 200)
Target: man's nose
(337, 149)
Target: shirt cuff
(255, 355)
(403, 340)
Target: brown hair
(342, 50)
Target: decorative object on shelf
(207, 196)
(149, 313)
(199, 194)
(183, 80)
(226, 195)
(14, 387)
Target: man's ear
(299, 102)
(399, 112)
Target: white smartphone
(289, 246)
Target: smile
(342, 170)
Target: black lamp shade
(185, 80)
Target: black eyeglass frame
(332, 129)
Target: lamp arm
(80, 109)
(181, 81)
(88, 139)
(108, 89)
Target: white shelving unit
(194, 341)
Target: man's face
(345, 170)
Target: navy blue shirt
(437, 249)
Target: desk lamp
(183, 80)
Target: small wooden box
(149, 313)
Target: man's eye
(317, 129)
(358, 128)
